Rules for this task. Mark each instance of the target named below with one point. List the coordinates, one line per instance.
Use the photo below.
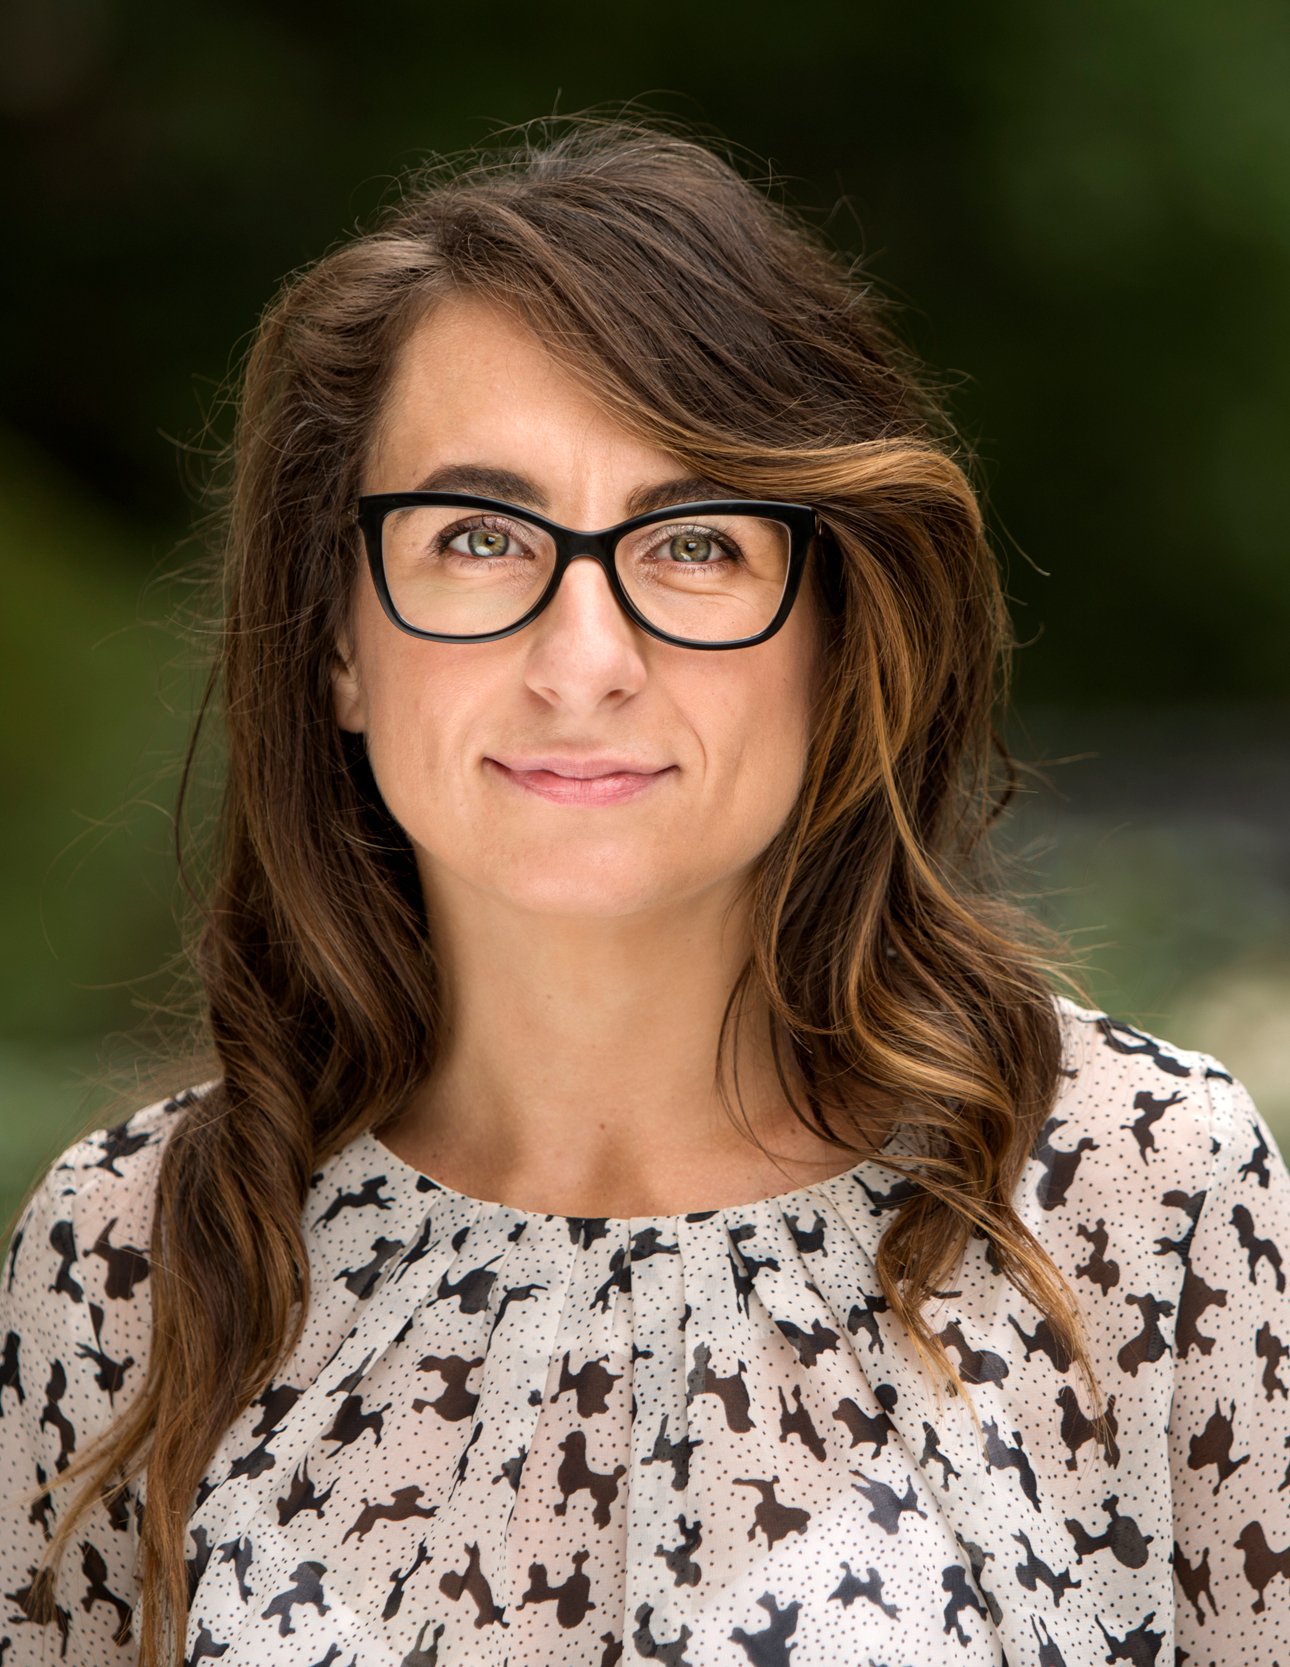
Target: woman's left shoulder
(1145, 1110)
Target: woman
(633, 1102)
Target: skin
(588, 951)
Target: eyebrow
(488, 482)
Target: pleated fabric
(516, 1439)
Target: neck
(579, 1059)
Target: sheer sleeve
(70, 1319)
(1229, 1425)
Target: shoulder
(1135, 1112)
(78, 1258)
(1143, 1187)
(107, 1176)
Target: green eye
(691, 547)
(483, 541)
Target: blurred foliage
(1085, 208)
(1156, 841)
(89, 754)
(1085, 212)
(99, 700)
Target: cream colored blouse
(513, 1439)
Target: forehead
(473, 380)
(476, 337)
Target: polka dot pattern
(514, 1439)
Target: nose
(585, 598)
(583, 645)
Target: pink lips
(609, 789)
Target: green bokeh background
(1085, 214)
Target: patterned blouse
(514, 1439)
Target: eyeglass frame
(802, 520)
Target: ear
(347, 694)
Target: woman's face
(726, 732)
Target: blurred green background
(1085, 213)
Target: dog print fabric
(536, 1440)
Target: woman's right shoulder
(79, 1249)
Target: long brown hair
(898, 967)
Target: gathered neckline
(373, 1155)
(378, 1153)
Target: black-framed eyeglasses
(453, 567)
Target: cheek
(759, 747)
(410, 704)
